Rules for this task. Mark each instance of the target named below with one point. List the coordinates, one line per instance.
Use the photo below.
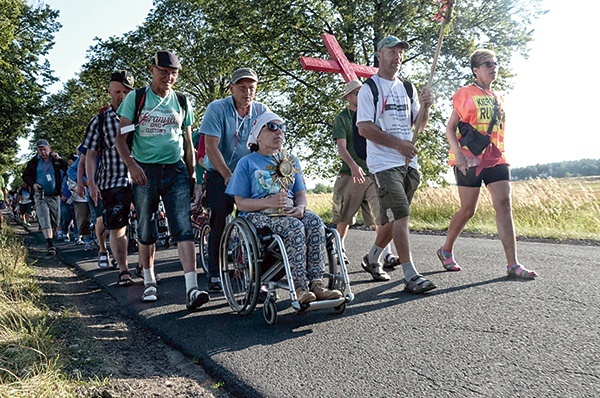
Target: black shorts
(116, 206)
(500, 172)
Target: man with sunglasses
(226, 127)
(388, 130)
(354, 188)
(162, 164)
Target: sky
(545, 111)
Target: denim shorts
(171, 182)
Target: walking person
(475, 132)
(354, 188)
(161, 164)
(226, 127)
(388, 130)
(108, 183)
(43, 174)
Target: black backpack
(360, 142)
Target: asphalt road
(479, 334)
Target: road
(479, 334)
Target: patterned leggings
(304, 242)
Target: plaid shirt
(111, 172)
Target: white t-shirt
(392, 116)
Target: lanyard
(47, 165)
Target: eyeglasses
(165, 72)
(272, 126)
(490, 64)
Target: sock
(149, 277)
(191, 280)
(409, 270)
(375, 254)
(445, 253)
(386, 250)
(49, 242)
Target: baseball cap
(42, 142)
(243, 73)
(392, 41)
(124, 77)
(258, 125)
(350, 87)
(166, 59)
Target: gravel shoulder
(102, 342)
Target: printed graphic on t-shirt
(159, 123)
(265, 184)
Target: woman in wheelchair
(269, 191)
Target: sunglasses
(272, 126)
(490, 64)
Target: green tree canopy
(212, 39)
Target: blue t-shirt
(255, 178)
(222, 120)
(158, 138)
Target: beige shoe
(322, 293)
(304, 296)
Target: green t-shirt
(158, 138)
(342, 128)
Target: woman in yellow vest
(475, 132)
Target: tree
(271, 35)
(26, 34)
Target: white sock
(375, 254)
(149, 278)
(386, 250)
(191, 280)
(409, 270)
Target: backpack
(360, 142)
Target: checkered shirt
(112, 172)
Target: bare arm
(459, 158)
(277, 201)
(358, 174)
(137, 173)
(80, 173)
(91, 162)
(216, 158)
(372, 132)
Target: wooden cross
(338, 62)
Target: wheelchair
(250, 260)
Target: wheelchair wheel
(270, 312)
(334, 279)
(240, 273)
(203, 246)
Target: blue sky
(555, 89)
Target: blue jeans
(67, 214)
(170, 182)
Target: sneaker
(89, 246)
(60, 237)
(322, 293)
(390, 261)
(79, 241)
(66, 238)
(448, 261)
(375, 269)
(304, 296)
(214, 285)
(196, 298)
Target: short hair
(479, 56)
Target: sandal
(448, 261)
(150, 293)
(102, 259)
(391, 261)
(518, 271)
(125, 282)
(418, 285)
(196, 298)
